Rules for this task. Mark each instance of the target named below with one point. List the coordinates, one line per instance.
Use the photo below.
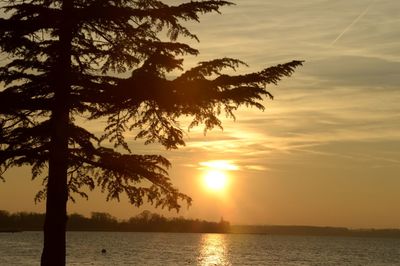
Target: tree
(74, 60)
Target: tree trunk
(57, 195)
(57, 191)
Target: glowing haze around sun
(215, 176)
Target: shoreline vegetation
(152, 222)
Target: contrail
(354, 22)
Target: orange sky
(325, 152)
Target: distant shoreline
(268, 231)
(314, 231)
(152, 222)
(10, 231)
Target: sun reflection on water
(213, 250)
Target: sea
(131, 248)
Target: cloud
(343, 94)
(355, 71)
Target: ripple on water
(84, 248)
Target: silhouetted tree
(5, 220)
(144, 222)
(65, 63)
(104, 221)
(21, 221)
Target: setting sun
(215, 180)
(216, 177)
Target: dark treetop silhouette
(63, 61)
(100, 221)
(152, 222)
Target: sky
(326, 151)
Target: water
(84, 248)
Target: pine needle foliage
(66, 61)
(108, 39)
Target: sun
(215, 180)
(216, 174)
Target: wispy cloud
(353, 23)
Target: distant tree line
(100, 221)
(21, 221)
(153, 222)
(296, 230)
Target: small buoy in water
(103, 251)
